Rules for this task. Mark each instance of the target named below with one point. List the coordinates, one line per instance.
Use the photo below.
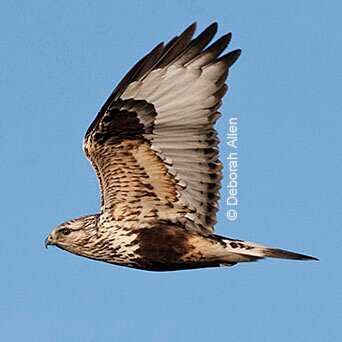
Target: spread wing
(153, 145)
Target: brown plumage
(154, 149)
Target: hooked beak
(48, 241)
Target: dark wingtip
(190, 29)
(213, 27)
(231, 57)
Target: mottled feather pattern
(155, 152)
(184, 85)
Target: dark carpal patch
(124, 120)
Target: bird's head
(71, 235)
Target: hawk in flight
(155, 152)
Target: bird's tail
(250, 251)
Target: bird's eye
(65, 231)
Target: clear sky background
(59, 60)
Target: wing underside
(153, 144)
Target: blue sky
(60, 60)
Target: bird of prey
(155, 152)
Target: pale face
(64, 236)
(73, 235)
